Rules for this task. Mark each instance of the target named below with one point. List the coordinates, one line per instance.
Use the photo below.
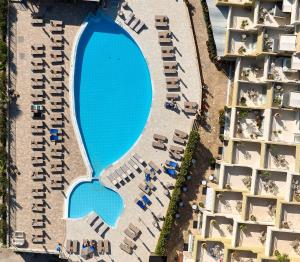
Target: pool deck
(161, 121)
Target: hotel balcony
(219, 227)
(280, 157)
(290, 216)
(241, 18)
(295, 189)
(241, 43)
(252, 236)
(280, 70)
(283, 90)
(249, 124)
(251, 95)
(252, 70)
(286, 243)
(271, 183)
(209, 251)
(285, 126)
(270, 14)
(228, 202)
(260, 209)
(246, 153)
(237, 177)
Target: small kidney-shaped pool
(112, 93)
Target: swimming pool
(113, 94)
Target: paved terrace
(161, 121)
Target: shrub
(161, 247)
(211, 45)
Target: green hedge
(211, 45)
(161, 247)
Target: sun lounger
(180, 133)
(169, 65)
(57, 60)
(97, 224)
(57, 85)
(190, 104)
(175, 156)
(179, 140)
(145, 189)
(129, 243)
(170, 71)
(139, 27)
(39, 53)
(57, 39)
(172, 96)
(126, 170)
(167, 50)
(130, 233)
(38, 162)
(145, 199)
(56, 30)
(56, 23)
(103, 229)
(126, 248)
(151, 185)
(37, 61)
(37, 21)
(158, 145)
(100, 247)
(57, 77)
(113, 180)
(172, 80)
(191, 111)
(37, 194)
(134, 165)
(38, 47)
(38, 206)
(57, 148)
(129, 19)
(38, 238)
(58, 45)
(37, 68)
(154, 166)
(134, 228)
(38, 223)
(161, 18)
(171, 172)
(76, 246)
(36, 145)
(37, 176)
(141, 204)
(106, 246)
(120, 172)
(161, 21)
(92, 218)
(37, 84)
(139, 159)
(134, 23)
(160, 138)
(56, 163)
(177, 149)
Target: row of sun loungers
(134, 23)
(132, 233)
(97, 224)
(159, 141)
(190, 107)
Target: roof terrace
(252, 69)
(290, 216)
(246, 153)
(209, 251)
(285, 126)
(270, 14)
(286, 242)
(219, 227)
(271, 183)
(251, 235)
(251, 95)
(228, 202)
(237, 177)
(281, 157)
(241, 18)
(260, 209)
(249, 123)
(242, 43)
(235, 255)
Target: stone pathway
(216, 82)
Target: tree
(282, 257)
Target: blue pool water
(112, 92)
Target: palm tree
(213, 222)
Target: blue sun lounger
(55, 138)
(53, 131)
(171, 172)
(140, 204)
(145, 199)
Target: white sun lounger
(154, 166)
(133, 164)
(112, 179)
(134, 23)
(103, 229)
(128, 19)
(120, 172)
(117, 176)
(139, 158)
(126, 170)
(97, 225)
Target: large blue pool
(112, 92)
